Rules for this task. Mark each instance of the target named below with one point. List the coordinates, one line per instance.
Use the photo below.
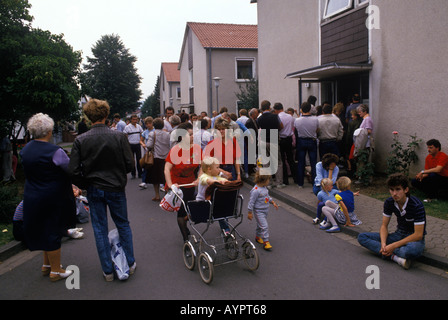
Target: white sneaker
(325, 226)
(280, 186)
(75, 233)
(142, 185)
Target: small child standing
(344, 212)
(259, 207)
(327, 193)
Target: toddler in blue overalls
(259, 207)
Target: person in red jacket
(435, 175)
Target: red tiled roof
(219, 35)
(172, 74)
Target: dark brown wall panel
(346, 39)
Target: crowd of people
(190, 156)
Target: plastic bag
(82, 209)
(172, 201)
(118, 256)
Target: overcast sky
(152, 30)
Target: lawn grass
(5, 234)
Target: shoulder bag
(148, 159)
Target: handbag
(148, 159)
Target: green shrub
(9, 199)
(401, 157)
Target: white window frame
(236, 69)
(178, 93)
(347, 7)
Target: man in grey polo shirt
(330, 132)
(307, 127)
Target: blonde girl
(259, 207)
(343, 212)
(327, 193)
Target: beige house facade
(392, 53)
(170, 93)
(216, 58)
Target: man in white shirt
(169, 111)
(285, 144)
(243, 116)
(134, 131)
(119, 124)
(201, 136)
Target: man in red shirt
(435, 175)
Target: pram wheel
(231, 247)
(189, 255)
(205, 266)
(250, 255)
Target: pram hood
(228, 186)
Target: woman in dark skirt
(49, 203)
(159, 143)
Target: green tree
(39, 70)
(248, 94)
(151, 106)
(110, 75)
(46, 80)
(15, 22)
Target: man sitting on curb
(435, 175)
(408, 241)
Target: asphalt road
(305, 263)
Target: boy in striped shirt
(408, 241)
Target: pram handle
(186, 185)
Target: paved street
(306, 263)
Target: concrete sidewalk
(369, 211)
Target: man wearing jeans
(408, 241)
(100, 161)
(307, 127)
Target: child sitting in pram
(211, 173)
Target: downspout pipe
(210, 83)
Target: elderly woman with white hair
(49, 202)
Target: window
(178, 92)
(333, 7)
(245, 69)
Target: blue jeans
(99, 200)
(304, 146)
(411, 250)
(328, 147)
